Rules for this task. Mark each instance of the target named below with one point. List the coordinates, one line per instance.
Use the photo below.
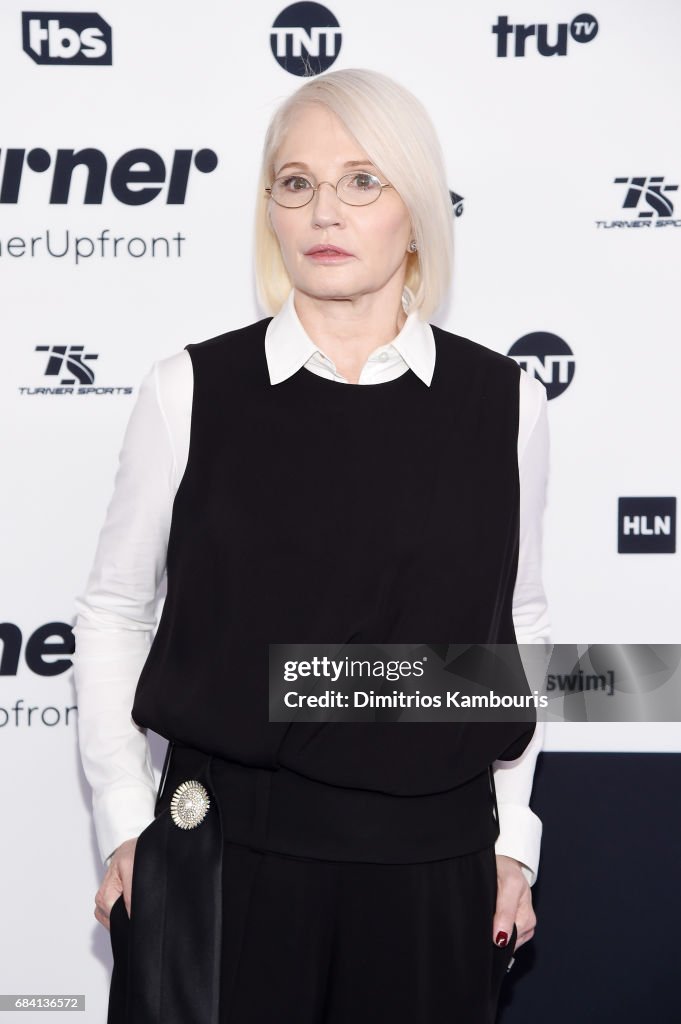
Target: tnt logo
(72, 357)
(305, 39)
(546, 357)
(646, 526)
(647, 190)
(581, 29)
(66, 37)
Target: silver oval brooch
(189, 804)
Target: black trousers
(229, 926)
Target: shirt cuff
(120, 814)
(520, 833)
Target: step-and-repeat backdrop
(130, 139)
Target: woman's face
(376, 236)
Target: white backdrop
(544, 243)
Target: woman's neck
(348, 330)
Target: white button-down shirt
(117, 612)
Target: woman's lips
(328, 256)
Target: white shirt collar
(288, 346)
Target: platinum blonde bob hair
(394, 129)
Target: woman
(284, 871)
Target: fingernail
(501, 939)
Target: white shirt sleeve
(519, 827)
(116, 614)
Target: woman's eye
(363, 181)
(295, 183)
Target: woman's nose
(326, 206)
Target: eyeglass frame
(315, 188)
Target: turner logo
(53, 641)
(581, 29)
(136, 178)
(70, 364)
(69, 357)
(61, 37)
(646, 526)
(46, 654)
(305, 39)
(645, 196)
(546, 357)
(649, 201)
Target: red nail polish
(501, 939)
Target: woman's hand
(514, 902)
(117, 880)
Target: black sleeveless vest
(316, 511)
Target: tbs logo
(66, 37)
(582, 29)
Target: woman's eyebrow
(348, 163)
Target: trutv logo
(66, 37)
(581, 29)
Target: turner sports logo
(145, 169)
(72, 366)
(649, 203)
(581, 29)
(305, 39)
(646, 526)
(66, 37)
(546, 357)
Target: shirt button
(383, 356)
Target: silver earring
(412, 246)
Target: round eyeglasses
(355, 189)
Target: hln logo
(66, 37)
(646, 526)
(582, 29)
